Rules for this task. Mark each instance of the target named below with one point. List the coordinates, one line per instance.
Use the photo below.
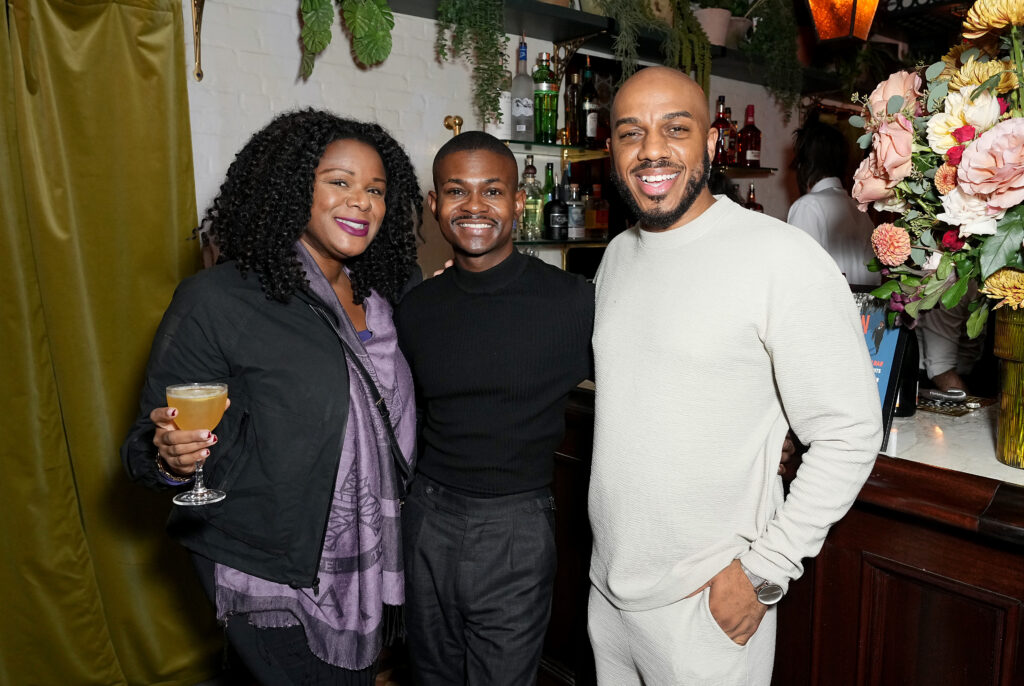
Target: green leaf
(386, 14)
(953, 296)
(858, 121)
(936, 94)
(976, 322)
(932, 72)
(911, 215)
(317, 14)
(885, 291)
(864, 141)
(918, 255)
(989, 83)
(372, 49)
(306, 67)
(929, 301)
(890, 319)
(315, 40)
(999, 250)
(945, 266)
(968, 54)
(894, 105)
(358, 17)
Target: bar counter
(921, 583)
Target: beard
(664, 218)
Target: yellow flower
(975, 73)
(953, 60)
(1007, 286)
(991, 16)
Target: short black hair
(471, 141)
(821, 151)
(265, 202)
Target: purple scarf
(361, 563)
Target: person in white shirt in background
(830, 216)
(826, 211)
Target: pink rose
(893, 142)
(964, 133)
(867, 186)
(955, 154)
(993, 165)
(901, 83)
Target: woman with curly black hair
(315, 227)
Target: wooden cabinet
(922, 583)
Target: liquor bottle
(548, 189)
(556, 217)
(906, 392)
(752, 203)
(522, 98)
(721, 124)
(595, 216)
(748, 151)
(589, 109)
(545, 101)
(573, 111)
(734, 134)
(533, 209)
(576, 228)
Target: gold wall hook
(197, 28)
(454, 124)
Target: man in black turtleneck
(495, 344)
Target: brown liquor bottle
(752, 203)
(748, 149)
(721, 124)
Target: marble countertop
(964, 444)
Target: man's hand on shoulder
(733, 603)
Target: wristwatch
(768, 592)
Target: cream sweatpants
(677, 645)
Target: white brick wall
(251, 53)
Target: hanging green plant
(686, 46)
(771, 50)
(475, 30)
(368, 21)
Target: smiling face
(661, 147)
(476, 202)
(348, 203)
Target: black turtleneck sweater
(494, 355)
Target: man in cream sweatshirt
(716, 328)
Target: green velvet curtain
(96, 206)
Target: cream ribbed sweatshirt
(707, 338)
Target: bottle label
(522, 51)
(753, 155)
(545, 87)
(576, 218)
(558, 220)
(592, 124)
(522, 107)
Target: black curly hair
(264, 205)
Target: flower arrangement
(947, 157)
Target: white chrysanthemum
(940, 130)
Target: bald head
(643, 88)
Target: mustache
(654, 165)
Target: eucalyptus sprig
(368, 21)
(475, 30)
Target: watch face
(769, 594)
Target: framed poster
(885, 346)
